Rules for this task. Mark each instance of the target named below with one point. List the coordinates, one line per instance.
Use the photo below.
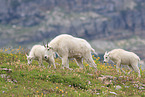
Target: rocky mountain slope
(110, 22)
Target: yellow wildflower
(87, 64)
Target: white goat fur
(122, 57)
(40, 53)
(68, 46)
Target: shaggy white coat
(120, 56)
(40, 53)
(68, 46)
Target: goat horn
(44, 44)
(47, 44)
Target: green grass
(32, 80)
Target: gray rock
(113, 93)
(141, 88)
(3, 75)
(118, 87)
(126, 86)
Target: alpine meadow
(56, 48)
(20, 79)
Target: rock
(14, 81)
(90, 74)
(5, 69)
(101, 78)
(109, 77)
(118, 87)
(9, 80)
(126, 86)
(138, 85)
(97, 93)
(89, 82)
(106, 79)
(3, 75)
(107, 83)
(92, 19)
(143, 85)
(141, 88)
(113, 93)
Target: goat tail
(92, 50)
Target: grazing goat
(40, 53)
(122, 57)
(67, 46)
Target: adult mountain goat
(40, 53)
(120, 56)
(67, 46)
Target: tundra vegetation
(21, 79)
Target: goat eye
(106, 57)
(48, 49)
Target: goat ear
(106, 52)
(50, 47)
(26, 55)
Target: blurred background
(105, 24)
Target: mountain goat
(67, 46)
(40, 53)
(120, 56)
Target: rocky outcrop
(90, 19)
(24, 22)
(108, 81)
